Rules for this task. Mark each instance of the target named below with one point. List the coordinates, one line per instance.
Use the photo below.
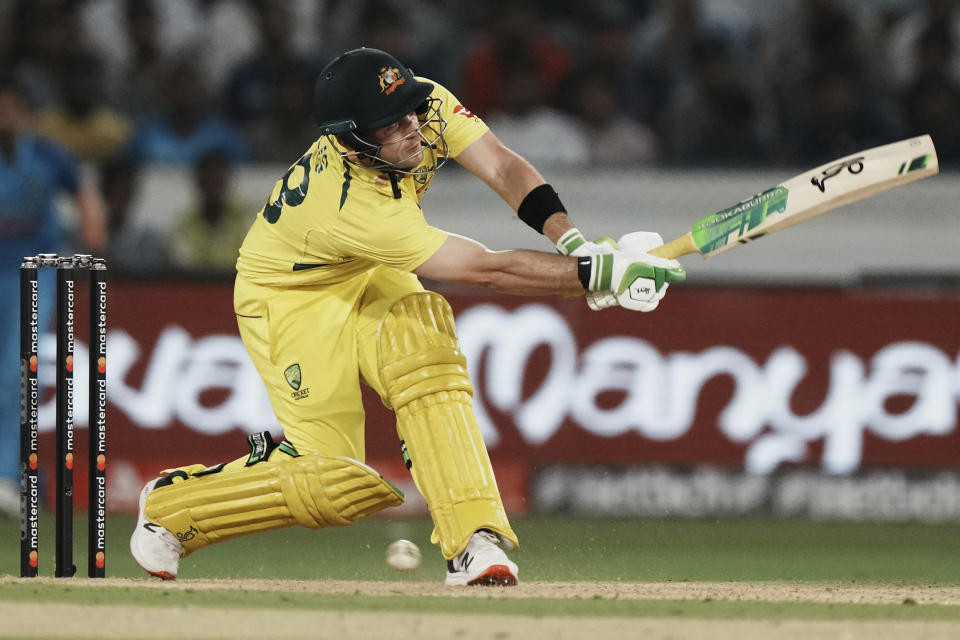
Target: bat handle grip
(676, 248)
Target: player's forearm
(557, 225)
(522, 272)
(461, 260)
(512, 178)
(522, 178)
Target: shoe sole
(164, 575)
(497, 575)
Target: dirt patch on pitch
(111, 622)
(728, 591)
(37, 619)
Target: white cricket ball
(403, 555)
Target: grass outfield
(555, 548)
(259, 573)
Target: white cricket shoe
(154, 548)
(482, 563)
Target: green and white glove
(637, 279)
(572, 243)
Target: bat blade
(807, 195)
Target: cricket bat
(828, 187)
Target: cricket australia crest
(294, 378)
(422, 174)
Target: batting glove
(572, 243)
(637, 279)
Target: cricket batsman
(327, 298)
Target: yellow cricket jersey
(327, 220)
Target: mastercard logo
(33, 461)
(102, 365)
(101, 560)
(101, 462)
(33, 559)
(69, 460)
(70, 363)
(33, 364)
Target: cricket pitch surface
(407, 609)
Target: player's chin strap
(394, 185)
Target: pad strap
(262, 446)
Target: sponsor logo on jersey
(390, 79)
(462, 110)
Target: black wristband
(584, 270)
(538, 205)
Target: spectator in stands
(612, 138)
(835, 117)
(821, 86)
(7, 28)
(710, 116)
(131, 41)
(81, 121)
(288, 128)
(134, 247)
(540, 133)
(931, 104)
(251, 91)
(906, 52)
(606, 46)
(664, 52)
(209, 234)
(34, 173)
(647, 44)
(45, 32)
(517, 36)
(230, 35)
(931, 101)
(188, 127)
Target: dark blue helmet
(364, 89)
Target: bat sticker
(853, 165)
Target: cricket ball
(403, 555)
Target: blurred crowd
(209, 85)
